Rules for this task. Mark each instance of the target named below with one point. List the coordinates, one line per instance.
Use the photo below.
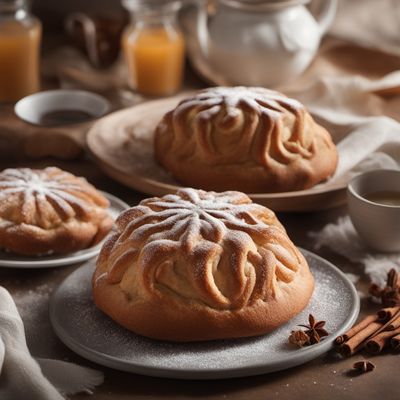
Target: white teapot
(254, 42)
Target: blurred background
(53, 13)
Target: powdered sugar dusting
(29, 300)
(44, 197)
(264, 100)
(33, 306)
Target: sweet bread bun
(249, 139)
(50, 211)
(200, 265)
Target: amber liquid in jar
(154, 49)
(19, 55)
(155, 60)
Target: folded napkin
(22, 377)
(342, 238)
(370, 23)
(364, 124)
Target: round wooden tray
(122, 145)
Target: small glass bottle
(154, 47)
(20, 36)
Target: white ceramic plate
(93, 335)
(16, 261)
(122, 145)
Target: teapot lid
(258, 5)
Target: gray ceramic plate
(16, 261)
(90, 333)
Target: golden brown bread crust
(50, 211)
(249, 139)
(199, 266)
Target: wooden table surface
(327, 377)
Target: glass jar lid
(134, 5)
(262, 5)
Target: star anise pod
(364, 366)
(375, 290)
(390, 294)
(299, 338)
(391, 297)
(315, 329)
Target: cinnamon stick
(355, 329)
(395, 342)
(393, 278)
(379, 341)
(388, 323)
(394, 324)
(355, 342)
(376, 332)
(387, 313)
(358, 341)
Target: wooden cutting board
(19, 140)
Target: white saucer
(93, 335)
(57, 260)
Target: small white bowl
(71, 106)
(377, 224)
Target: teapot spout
(193, 18)
(324, 11)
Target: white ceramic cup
(377, 224)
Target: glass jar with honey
(154, 47)
(20, 36)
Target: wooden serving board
(122, 145)
(19, 139)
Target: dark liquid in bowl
(58, 117)
(385, 197)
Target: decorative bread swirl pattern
(50, 211)
(240, 114)
(251, 139)
(46, 198)
(215, 249)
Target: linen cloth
(342, 238)
(22, 377)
